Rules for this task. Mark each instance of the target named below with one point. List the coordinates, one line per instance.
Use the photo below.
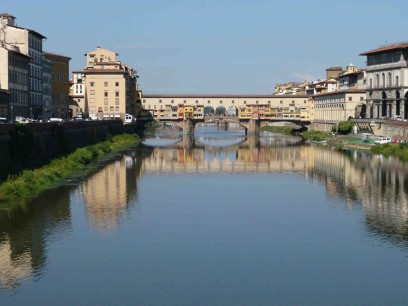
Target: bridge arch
(220, 111)
(208, 110)
(232, 111)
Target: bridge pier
(188, 127)
(253, 127)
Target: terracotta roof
(55, 54)
(341, 91)
(212, 96)
(7, 15)
(387, 48)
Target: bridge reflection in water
(377, 185)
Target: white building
(29, 42)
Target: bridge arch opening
(208, 110)
(220, 111)
(232, 111)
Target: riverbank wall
(31, 145)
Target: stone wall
(31, 145)
(395, 129)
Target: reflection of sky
(160, 142)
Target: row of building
(36, 84)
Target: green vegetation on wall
(32, 182)
(343, 127)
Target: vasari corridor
(209, 153)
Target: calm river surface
(218, 219)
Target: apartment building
(29, 43)
(59, 84)
(77, 91)
(47, 88)
(111, 88)
(14, 77)
(351, 78)
(387, 81)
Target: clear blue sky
(210, 47)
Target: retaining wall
(31, 145)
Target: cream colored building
(334, 107)
(227, 104)
(77, 92)
(29, 43)
(111, 88)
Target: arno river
(218, 219)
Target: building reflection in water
(378, 184)
(24, 233)
(110, 192)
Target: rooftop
(390, 47)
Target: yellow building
(111, 86)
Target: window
(92, 100)
(389, 79)
(117, 101)
(92, 84)
(106, 101)
(105, 84)
(160, 101)
(117, 93)
(92, 92)
(105, 108)
(350, 98)
(105, 93)
(111, 108)
(116, 84)
(371, 83)
(361, 98)
(117, 108)
(383, 79)
(396, 80)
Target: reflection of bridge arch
(220, 111)
(208, 110)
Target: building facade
(387, 81)
(47, 88)
(59, 84)
(334, 107)
(77, 92)
(160, 106)
(14, 77)
(111, 88)
(351, 78)
(29, 43)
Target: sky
(216, 47)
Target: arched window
(383, 79)
(396, 80)
(377, 80)
(389, 79)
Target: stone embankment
(31, 145)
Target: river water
(215, 219)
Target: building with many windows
(387, 81)
(14, 78)
(29, 43)
(59, 84)
(111, 88)
(47, 89)
(77, 92)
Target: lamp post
(11, 113)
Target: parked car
(382, 140)
(56, 120)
